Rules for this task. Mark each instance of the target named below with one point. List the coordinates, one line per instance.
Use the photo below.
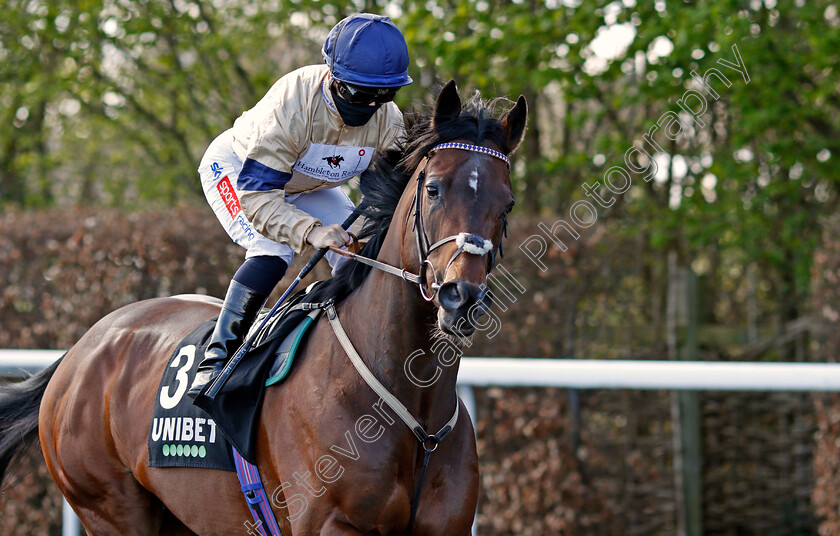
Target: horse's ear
(448, 105)
(514, 123)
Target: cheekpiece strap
(470, 147)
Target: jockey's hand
(323, 236)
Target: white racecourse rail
(564, 373)
(583, 373)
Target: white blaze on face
(474, 180)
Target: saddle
(187, 435)
(284, 334)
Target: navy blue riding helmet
(367, 50)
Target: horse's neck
(389, 322)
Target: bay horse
(332, 458)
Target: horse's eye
(432, 191)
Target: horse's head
(461, 202)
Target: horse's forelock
(478, 123)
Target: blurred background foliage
(112, 102)
(106, 107)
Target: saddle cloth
(181, 434)
(184, 434)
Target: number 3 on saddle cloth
(220, 433)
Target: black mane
(384, 182)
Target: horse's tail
(19, 405)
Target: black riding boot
(242, 304)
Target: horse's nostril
(458, 294)
(450, 296)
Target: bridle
(469, 243)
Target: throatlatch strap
(252, 488)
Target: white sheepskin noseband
(471, 243)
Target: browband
(469, 147)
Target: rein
(461, 239)
(469, 243)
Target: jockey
(272, 179)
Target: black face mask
(353, 115)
